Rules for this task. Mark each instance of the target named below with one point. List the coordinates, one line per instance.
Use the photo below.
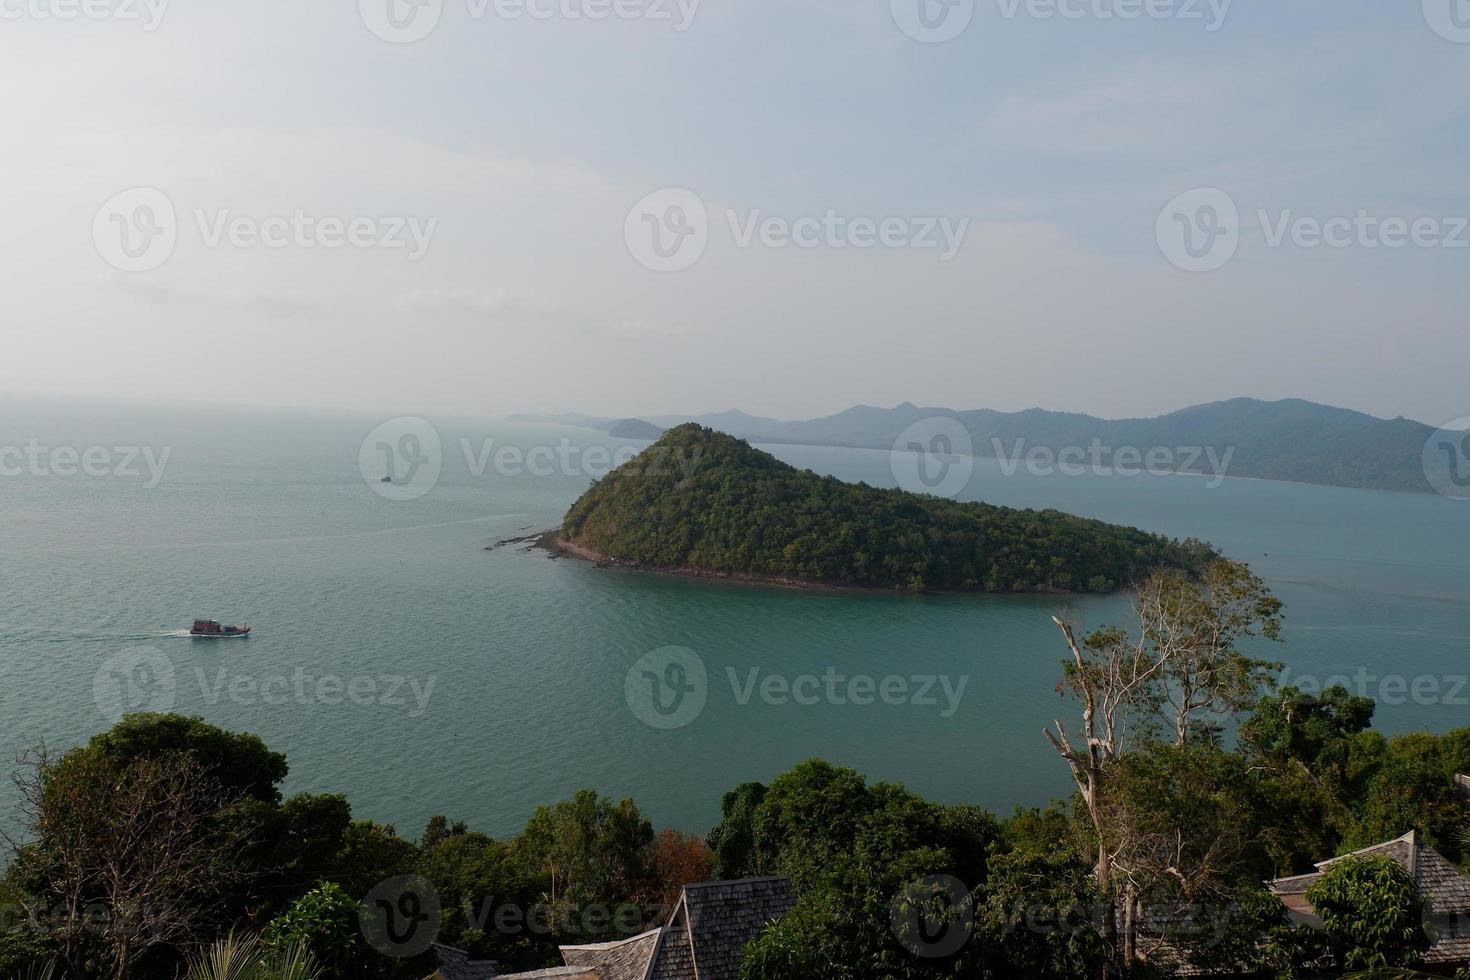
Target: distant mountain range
(1291, 440)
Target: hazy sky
(519, 148)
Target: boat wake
(41, 634)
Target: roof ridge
(1410, 838)
(736, 881)
(616, 942)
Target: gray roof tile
(628, 959)
(455, 964)
(723, 916)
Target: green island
(704, 502)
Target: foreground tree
(1196, 627)
(1180, 667)
(1372, 913)
(125, 854)
(679, 859)
(733, 841)
(324, 923)
(855, 852)
(590, 851)
(1041, 916)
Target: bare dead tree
(1116, 679)
(132, 854)
(1181, 663)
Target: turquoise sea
(504, 671)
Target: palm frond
(245, 958)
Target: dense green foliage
(1333, 785)
(1371, 913)
(294, 871)
(325, 923)
(699, 499)
(850, 848)
(1197, 825)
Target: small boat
(211, 629)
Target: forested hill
(702, 500)
(1292, 440)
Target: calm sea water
(265, 518)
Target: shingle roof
(703, 940)
(455, 964)
(628, 959)
(675, 957)
(722, 916)
(1439, 881)
(1449, 951)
